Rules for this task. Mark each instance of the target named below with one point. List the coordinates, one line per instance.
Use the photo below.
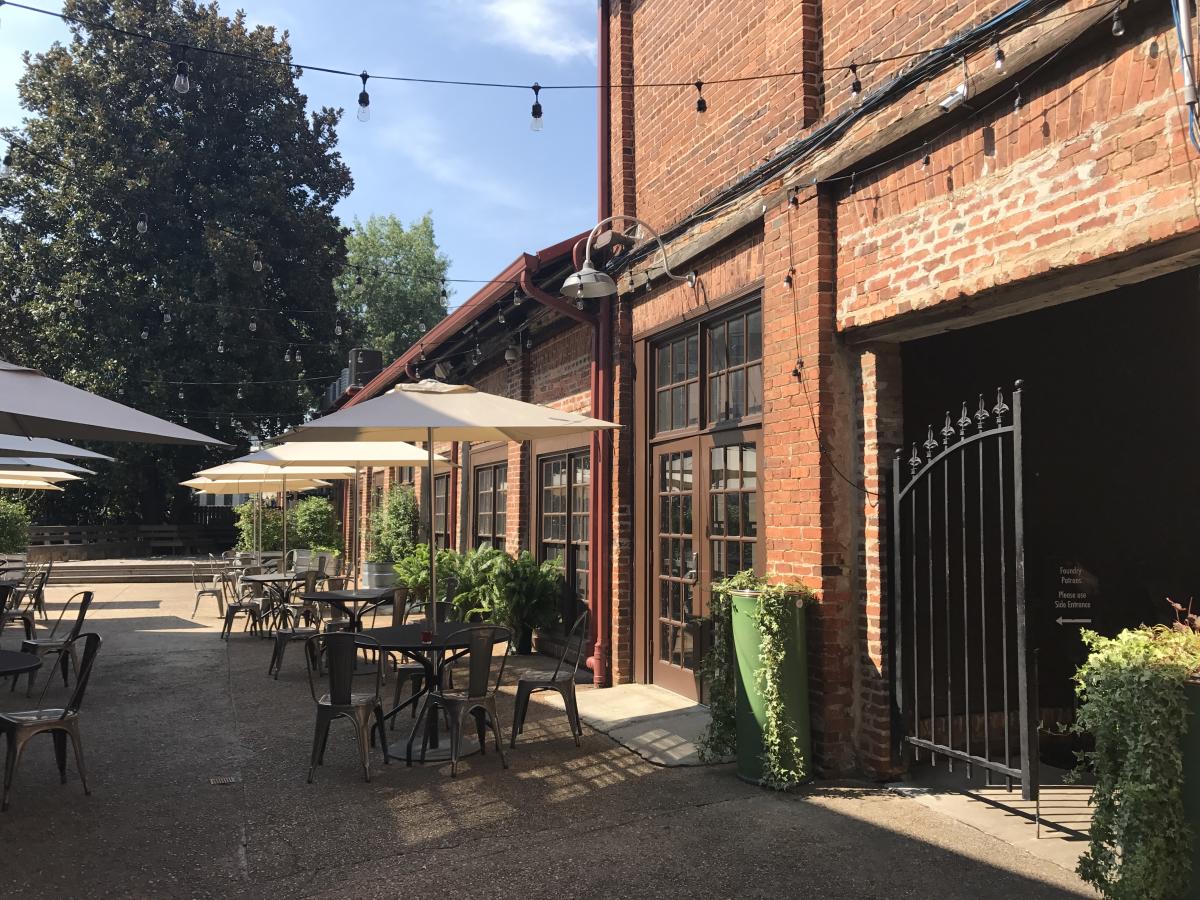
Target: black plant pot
(524, 641)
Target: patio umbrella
(50, 475)
(20, 485)
(238, 469)
(452, 412)
(295, 457)
(41, 464)
(251, 486)
(14, 445)
(35, 405)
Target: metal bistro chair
(478, 698)
(240, 600)
(339, 649)
(411, 672)
(561, 680)
(63, 647)
(31, 591)
(21, 727)
(288, 627)
(10, 610)
(208, 585)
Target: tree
(392, 292)
(204, 221)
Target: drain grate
(225, 779)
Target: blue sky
(495, 188)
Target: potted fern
(528, 594)
(1140, 701)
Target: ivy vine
(784, 763)
(1133, 703)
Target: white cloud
(558, 29)
(421, 139)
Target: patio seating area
(198, 760)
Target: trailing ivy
(1133, 703)
(784, 764)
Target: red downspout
(600, 572)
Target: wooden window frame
(441, 536)
(492, 536)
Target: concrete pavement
(171, 707)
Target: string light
(855, 84)
(701, 103)
(221, 345)
(337, 328)
(298, 358)
(926, 161)
(182, 83)
(518, 299)
(1017, 99)
(500, 317)
(287, 355)
(166, 317)
(358, 284)
(143, 223)
(364, 100)
(253, 323)
(145, 334)
(999, 63)
(535, 122)
(510, 353)
(1118, 27)
(78, 303)
(239, 393)
(181, 393)
(257, 265)
(445, 295)
(6, 165)
(421, 327)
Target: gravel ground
(171, 706)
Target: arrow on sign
(1062, 621)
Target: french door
(706, 502)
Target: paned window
(735, 367)
(441, 497)
(677, 383)
(564, 481)
(491, 505)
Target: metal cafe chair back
(562, 681)
(63, 647)
(21, 727)
(339, 650)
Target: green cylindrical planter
(750, 709)
(1191, 778)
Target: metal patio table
(354, 603)
(14, 663)
(432, 656)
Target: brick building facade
(847, 245)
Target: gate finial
(914, 461)
(948, 431)
(930, 444)
(964, 421)
(981, 415)
(1001, 407)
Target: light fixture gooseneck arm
(587, 249)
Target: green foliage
(1132, 697)
(784, 765)
(401, 288)
(313, 523)
(479, 573)
(14, 527)
(235, 167)
(394, 526)
(528, 593)
(272, 527)
(412, 570)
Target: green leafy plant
(394, 526)
(14, 527)
(272, 527)
(1133, 703)
(479, 574)
(784, 763)
(528, 594)
(412, 570)
(313, 523)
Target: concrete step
(108, 578)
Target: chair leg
(495, 720)
(362, 731)
(413, 735)
(481, 730)
(197, 606)
(568, 695)
(456, 730)
(520, 708)
(73, 732)
(60, 754)
(382, 733)
(318, 748)
(11, 759)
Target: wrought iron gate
(961, 654)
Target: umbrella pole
(355, 524)
(283, 561)
(431, 611)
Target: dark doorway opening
(1112, 499)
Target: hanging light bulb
(422, 358)
(358, 284)
(359, 361)
(364, 100)
(184, 419)
(62, 315)
(287, 355)
(143, 223)
(500, 317)
(855, 84)
(701, 103)
(78, 303)
(145, 334)
(6, 166)
(1118, 27)
(337, 328)
(1017, 99)
(253, 323)
(445, 296)
(999, 64)
(239, 392)
(926, 161)
(517, 298)
(421, 327)
(182, 83)
(535, 122)
(166, 317)
(579, 304)
(257, 264)
(510, 353)
(221, 345)
(181, 393)
(298, 359)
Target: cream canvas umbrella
(296, 457)
(22, 485)
(256, 484)
(37, 475)
(15, 445)
(239, 469)
(450, 412)
(34, 405)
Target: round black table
(13, 663)
(447, 638)
(354, 603)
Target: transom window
(729, 371)
(491, 505)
